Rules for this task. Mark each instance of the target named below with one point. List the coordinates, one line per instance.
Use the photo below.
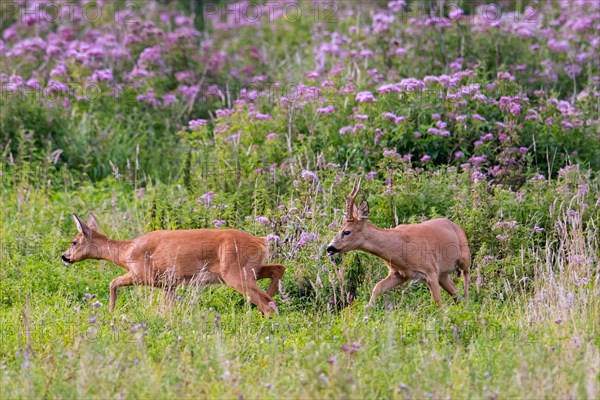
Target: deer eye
(346, 233)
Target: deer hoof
(274, 307)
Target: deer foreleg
(249, 288)
(124, 280)
(388, 283)
(275, 273)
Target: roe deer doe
(170, 258)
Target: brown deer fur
(428, 251)
(170, 258)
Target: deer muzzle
(331, 250)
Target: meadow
(259, 116)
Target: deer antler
(350, 200)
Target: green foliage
(272, 162)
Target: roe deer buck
(169, 258)
(428, 251)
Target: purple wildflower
(306, 237)
(206, 197)
(365, 97)
(261, 116)
(476, 160)
(326, 110)
(345, 130)
(309, 175)
(197, 123)
(150, 55)
(514, 109)
(101, 75)
(456, 14)
(273, 238)
(261, 220)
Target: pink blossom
(567, 124)
(476, 160)
(365, 97)
(505, 76)
(345, 130)
(206, 197)
(390, 153)
(261, 220)
(573, 70)
(456, 14)
(224, 112)
(514, 109)
(306, 237)
(273, 238)
(309, 175)
(196, 123)
(326, 110)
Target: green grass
(528, 198)
(534, 336)
(483, 349)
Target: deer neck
(112, 250)
(378, 242)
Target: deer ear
(91, 222)
(82, 227)
(355, 212)
(363, 210)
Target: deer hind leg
(464, 264)
(248, 288)
(448, 286)
(466, 275)
(124, 280)
(434, 286)
(275, 273)
(388, 283)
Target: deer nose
(331, 250)
(65, 259)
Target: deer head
(83, 245)
(349, 237)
